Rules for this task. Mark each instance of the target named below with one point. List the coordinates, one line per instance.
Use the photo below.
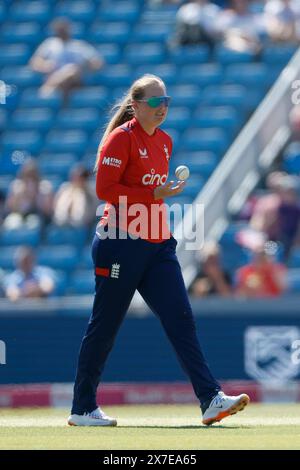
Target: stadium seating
(213, 94)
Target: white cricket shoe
(222, 406)
(95, 418)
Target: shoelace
(96, 414)
(218, 400)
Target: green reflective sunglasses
(156, 101)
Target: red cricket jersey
(132, 164)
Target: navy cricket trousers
(153, 270)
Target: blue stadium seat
(178, 118)
(203, 163)
(116, 33)
(21, 76)
(184, 95)
(89, 97)
(30, 11)
(76, 10)
(111, 76)
(7, 261)
(56, 235)
(62, 257)
(278, 54)
(193, 186)
(139, 54)
(111, 53)
(226, 117)
(202, 75)
(30, 141)
(10, 162)
(5, 180)
(229, 236)
(61, 282)
(31, 99)
(293, 280)
(294, 260)
(226, 56)
(167, 72)
(14, 54)
(122, 11)
(291, 158)
(86, 119)
(190, 55)
(248, 75)
(56, 164)
(66, 141)
(29, 33)
(82, 282)
(21, 236)
(233, 257)
(175, 135)
(40, 119)
(3, 118)
(150, 32)
(86, 261)
(3, 12)
(55, 181)
(224, 95)
(212, 139)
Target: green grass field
(153, 427)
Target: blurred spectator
(63, 60)
(211, 279)
(75, 202)
(241, 29)
(195, 23)
(28, 280)
(278, 214)
(283, 20)
(294, 118)
(29, 199)
(262, 277)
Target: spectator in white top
(29, 200)
(240, 28)
(195, 23)
(28, 280)
(62, 59)
(283, 20)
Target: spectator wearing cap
(63, 60)
(28, 280)
(75, 203)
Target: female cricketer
(139, 253)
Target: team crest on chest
(143, 153)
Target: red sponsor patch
(102, 272)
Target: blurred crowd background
(63, 64)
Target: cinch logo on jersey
(154, 178)
(111, 161)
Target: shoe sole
(238, 406)
(112, 423)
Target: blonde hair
(123, 110)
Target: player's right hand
(168, 189)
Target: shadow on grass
(151, 426)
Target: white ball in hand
(182, 172)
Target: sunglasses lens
(156, 101)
